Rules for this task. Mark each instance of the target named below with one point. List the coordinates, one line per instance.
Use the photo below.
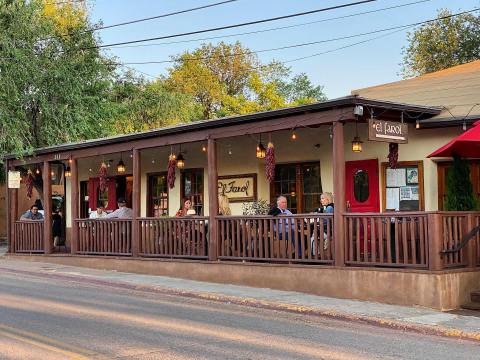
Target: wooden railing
(104, 236)
(28, 236)
(476, 246)
(295, 238)
(391, 240)
(454, 226)
(184, 237)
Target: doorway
(362, 186)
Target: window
(300, 184)
(361, 189)
(192, 188)
(157, 195)
(402, 188)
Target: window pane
(361, 186)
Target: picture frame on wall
(412, 176)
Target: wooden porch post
(74, 204)
(212, 200)
(435, 237)
(12, 211)
(471, 249)
(136, 202)
(47, 207)
(339, 192)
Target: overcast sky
(373, 62)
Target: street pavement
(52, 311)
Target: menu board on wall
(402, 192)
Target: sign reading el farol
(387, 131)
(238, 187)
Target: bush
(460, 195)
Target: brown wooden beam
(47, 207)
(13, 216)
(136, 195)
(296, 121)
(74, 204)
(339, 192)
(212, 200)
(435, 241)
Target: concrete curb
(262, 304)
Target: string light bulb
(417, 124)
(204, 148)
(294, 135)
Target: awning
(466, 145)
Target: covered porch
(313, 153)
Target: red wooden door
(361, 186)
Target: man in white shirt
(99, 213)
(123, 212)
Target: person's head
(326, 198)
(282, 203)
(34, 209)
(100, 208)
(224, 205)
(121, 202)
(186, 204)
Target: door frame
(372, 185)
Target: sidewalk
(461, 325)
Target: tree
(460, 195)
(141, 105)
(442, 44)
(229, 79)
(54, 83)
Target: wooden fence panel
(28, 236)
(104, 236)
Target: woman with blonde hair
(223, 205)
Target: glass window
(360, 186)
(192, 188)
(158, 191)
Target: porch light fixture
(180, 161)
(204, 148)
(68, 172)
(260, 151)
(121, 165)
(356, 142)
(37, 171)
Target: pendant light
(260, 151)
(68, 172)
(180, 159)
(356, 142)
(121, 165)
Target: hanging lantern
(37, 170)
(357, 144)
(180, 161)
(121, 165)
(261, 151)
(68, 172)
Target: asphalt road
(42, 318)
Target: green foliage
(460, 195)
(139, 105)
(51, 91)
(229, 79)
(442, 44)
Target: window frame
(150, 192)
(421, 183)
(191, 171)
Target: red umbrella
(466, 145)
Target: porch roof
(417, 111)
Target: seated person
(326, 202)
(32, 214)
(123, 212)
(99, 213)
(186, 209)
(285, 225)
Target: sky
(339, 71)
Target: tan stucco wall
(242, 159)
(442, 291)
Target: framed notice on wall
(403, 186)
(238, 188)
(13, 179)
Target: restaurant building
(384, 241)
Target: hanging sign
(14, 179)
(387, 131)
(238, 188)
